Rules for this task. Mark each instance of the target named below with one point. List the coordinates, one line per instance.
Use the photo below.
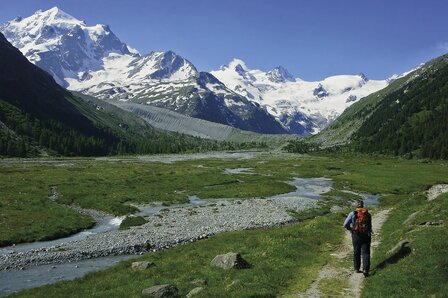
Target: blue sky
(312, 39)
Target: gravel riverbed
(166, 229)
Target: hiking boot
(358, 271)
(366, 274)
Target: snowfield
(286, 97)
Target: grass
(27, 215)
(284, 260)
(111, 185)
(278, 257)
(132, 221)
(323, 207)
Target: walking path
(332, 274)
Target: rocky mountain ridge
(92, 60)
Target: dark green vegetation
(284, 260)
(299, 146)
(37, 115)
(421, 268)
(413, 119)
(409, 117)
(280, 258)
(132, 221)
(47, 220)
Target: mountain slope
(92, 60)
(207, 98)
(37, 114)
(408, 117)
(32, 104)
(169, 120)
(302, 107)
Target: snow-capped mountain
(91, 59)
(63, 46)
(302, 107)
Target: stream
(14, 280)
(104, 224)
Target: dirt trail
(332, 273)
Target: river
(14, 280)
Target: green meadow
(285, 260)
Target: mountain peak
(61, 44)
(238, 63)
(55, 14)
(280, 75)
(363, 76)
(55, 10)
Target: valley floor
(297, 258)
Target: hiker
(359, 223)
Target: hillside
(407, 117)
(92, 60)
(36, 109)
(37, 116)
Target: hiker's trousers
(361, 247)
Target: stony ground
(166, 229)
(436, 191)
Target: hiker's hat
(360, 204)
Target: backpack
(361, 224)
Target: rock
(230, 260)
(432, 223)
(436, 190)
(398, 248)
(195, 291)
(161, 291)
(200, 282)
(411, 217)
(399, 251)
(142, 265)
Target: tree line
(23, 135)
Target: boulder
(399, 251)
(143, 265)
(195, 291)
(161, 291)
(230, 260)
(398, 248)
(432, 223)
